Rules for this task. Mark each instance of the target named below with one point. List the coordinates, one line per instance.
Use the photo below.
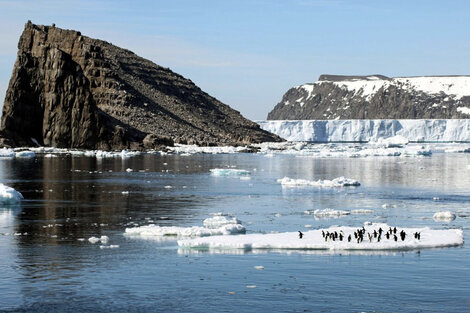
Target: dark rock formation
(71, 91)
(376, 97)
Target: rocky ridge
(71, 91)
(376, 97)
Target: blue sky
(249, 53)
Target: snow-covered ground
(370, 130)
(429, 238)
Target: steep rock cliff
(68, 90)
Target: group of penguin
(360, 233)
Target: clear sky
(248, 53)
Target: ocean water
(45, 266)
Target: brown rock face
(71, 91)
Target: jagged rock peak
(69, 90)
(376, 97)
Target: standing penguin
(349, 238)
(300, 234)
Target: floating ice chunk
(50, 155)
(313, 240)
(219, 221)
(361, 211)
(337, 182)
(251, 286)
(129, 170)
(393, 142)
(25, 154)
(229, 172)
(9, 195)
(192, 149)
(217, 225)
(326, 213)
(258, 267)
(125, 192)
(7, 153)
(109, 247)
(102, 239)
(445, 216)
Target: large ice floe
(444, 216)
(9, 195)
(217, 225)
(337, 182)
(228, 172)
(314, 240)
(420, 130)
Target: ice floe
(229, 172)
(337, 182)
(313, 240)
(9, 195)
(102, 239)
(217, 225)
(7, 153)
(193, 149)
(25, 154)
(446, 216)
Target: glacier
(420, 130)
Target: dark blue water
(45, 268)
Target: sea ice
(7, 153)
(217, 225)
(325, 213)
(337, 182)
(9, 195)
(25, 154)
(313, 240)
(446, 216)
(228, 172)
(102, 239)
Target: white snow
(337, 182)
(444, 216)
(329, 213)
(217, 225)
(370, 130)
(463, 110)
(312, 240)
(9, 195)
(228, 172)
(454, 86)
(193, 149)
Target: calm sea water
(47, 268)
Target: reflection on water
(49, 265)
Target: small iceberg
(444, 216)
(27, 154)
(217, 225)
(326, 213)
(9, 195)
(337, 182)
(314, 240)
(7, 153)
(228, 172)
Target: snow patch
(228, 172)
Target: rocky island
(337, 97)
(71, 91)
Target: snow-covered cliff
(450, 130)
(376, 97)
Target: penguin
(349, 238)
(340, 237)
(394, 230)
(395, 237)
(323, 233)
(375, 233)
(419, 236)
(380, 231)
(300, 234)
(370, 237)
(355, 235)
(336, 235)
(387, 235)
